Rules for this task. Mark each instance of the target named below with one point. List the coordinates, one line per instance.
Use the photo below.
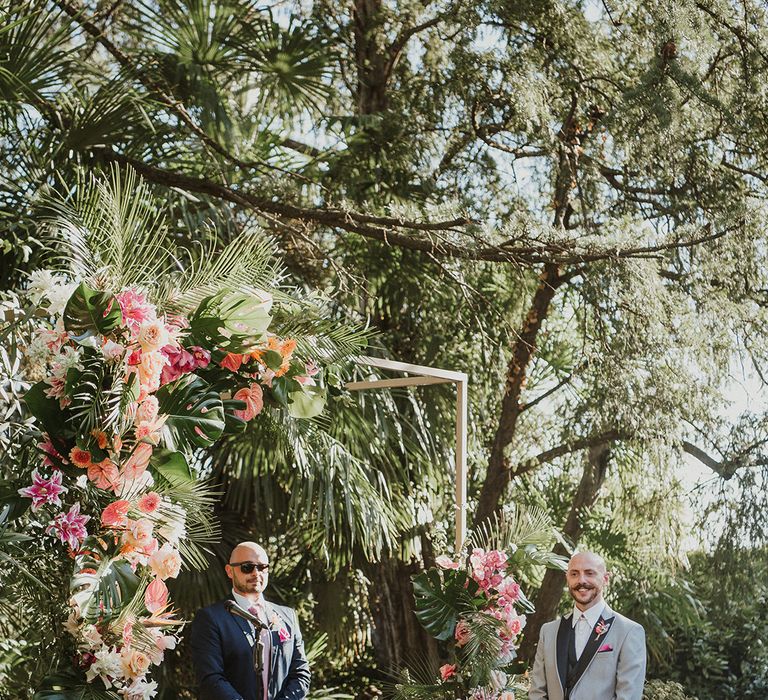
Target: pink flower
(69, 527)
(139, 534)
(165, 562)
(462, 633)
(147, 411)
(180, 361)
(137, 462)
(44, 490)
(105, 475)
(283, 634)
(447, 671)
(135, 308)
(509, 592)
(150, 369)
(605, 647)
(50, 452)
(254, 402)
(445, 562)
(156, 596)
(487, 567)
(114, 515)
(201, 355)
(232, 361)
(149, 502)
(134, 663)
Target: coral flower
(44, 490)
(232, 361)
(447, 671)
(115, 514)
(156, 596)
(137, 462)
(105, 475)
(101, 438)
(254, 402)
(80, 458)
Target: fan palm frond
(520, 526)
(111, 230)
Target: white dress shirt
(266, 636)
(584, 623)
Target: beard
(584, 594)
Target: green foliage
(440, 598)
(102, 586)
(195, 414)
(89, 311)
(664, 690)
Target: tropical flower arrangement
(129, 389)
(474, 606)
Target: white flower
(91, 637)
(174, 526)
(40, 283)
(69, 357)
(112, 350)
(153, 336)
(107, 665)
(72, 624)
(82, 481)
(140, 689)
(59, 296)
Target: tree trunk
(398, 638)
(371, 57)
(499, 473)
(551, 591)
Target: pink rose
(139, 534)
(462, 633)
(147, 411)
(134, 663)
(447, 671)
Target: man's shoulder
(553, 624)
(212, 610)
(282, 609)
(626, 622)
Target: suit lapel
(598, 635)
(562, 648)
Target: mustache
(582, 587)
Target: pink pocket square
(605, 647)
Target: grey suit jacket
(617, 673)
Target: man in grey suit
(593, 653)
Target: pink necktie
(266, 639)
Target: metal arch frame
(422, 376)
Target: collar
(246, 603)
(592, 615)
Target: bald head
(586, 577)
(248, 568)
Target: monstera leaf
(71, 684)
(103, 588)
(89, 311)
(438, 603)
(306, 403)
(172, 465)
(195, 414)
(46, 410)
(233, 321)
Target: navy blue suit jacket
(223, 657)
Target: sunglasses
(247, 567)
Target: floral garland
(125, 393)
(475, 608)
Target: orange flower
(101, 438)
(80, 458)
(232, 361)
(284, 347)
(104, 474)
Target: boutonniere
(282, 632)
(601, 628)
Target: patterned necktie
(257, 610)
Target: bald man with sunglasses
(237, 658)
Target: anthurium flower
(105, 474)
(137, 462)
(156, 596)
(254, 402)
(69, 527)
(445, 562)
(44, 490)
(115, 514)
